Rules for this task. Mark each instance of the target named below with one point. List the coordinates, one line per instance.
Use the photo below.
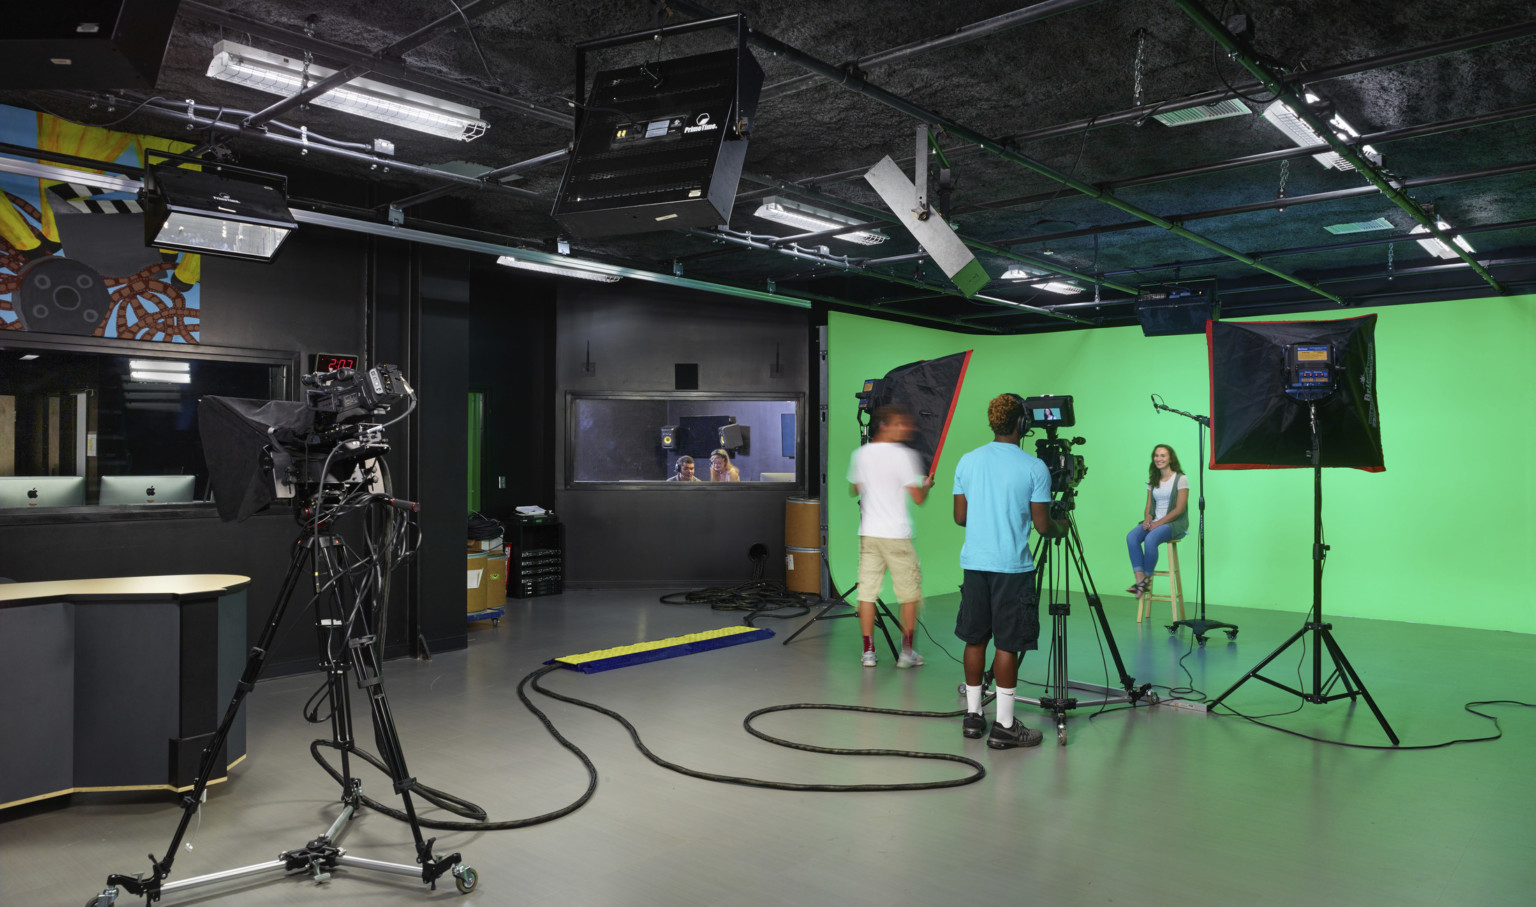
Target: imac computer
(116, 490)
(28, 492)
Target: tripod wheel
(465, 878)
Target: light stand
(1200, 625)
(1321, 633)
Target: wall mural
(72, 254)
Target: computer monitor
(27, 492)
(147, 489)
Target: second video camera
(1053, 412)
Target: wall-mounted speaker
(657, 146)
(85, 43)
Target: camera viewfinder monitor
(119, 490)
(1050, 411)
(29, 492)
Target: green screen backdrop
(1443, 536)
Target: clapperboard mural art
(72, 253)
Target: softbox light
(1256, 425)
(929, 389)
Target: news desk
(116, 684)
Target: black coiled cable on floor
(470, 810)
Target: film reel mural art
(72, 255)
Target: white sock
(973, 699)
(1005, 706)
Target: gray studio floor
(1145, 806)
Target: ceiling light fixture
(159, 370)
(1284, 118)
(1437, 248)
(1203, 113)
(797, 214)
(1017, 273)
(285, 76)
(1059, 286)
(215, 210)
(558, 270)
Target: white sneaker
(909, 659)
(869, 659)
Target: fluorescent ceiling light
(814, 220)
(29, 357)
(162, 377)
(1203, 113)
(1364, 226)
(1435, 246)
(1017, 273)
(560, 270)
(285, 76)
(1059, 286)
(1283, 118)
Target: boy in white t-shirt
(883, 474)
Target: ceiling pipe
(487, 178)
(1249, 61)
(878, 216)
(750, 241)
(1143, 112)
(197, 10)
(1287, 202)
(856, 84)
(961, 35)
(178, 113)
(1493, 117)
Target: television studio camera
(326, 454)
(1058, 559)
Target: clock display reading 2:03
(329, 362)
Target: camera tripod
(349, 624)
(1056, 560)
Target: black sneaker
(973, 725)
(1003, 738)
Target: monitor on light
(30, 492)
(117, 490)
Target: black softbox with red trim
(929, 388)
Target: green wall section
(1443, 536)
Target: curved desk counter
(116, 684)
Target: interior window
(652, 439)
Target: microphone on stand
(1155, 406)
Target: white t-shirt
(884, 470)
(1162, 495)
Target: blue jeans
(1143, 546)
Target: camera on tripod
(1067, 468)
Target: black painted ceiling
(1054, 85)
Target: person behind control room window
(684, 471)
(1165, 517)
(721, 468)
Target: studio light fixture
(1282, 117)
(216, 209)
(810, 218)
(285, 76)
(160, 371)
(558, 270)
(1437, 248)
(1065, 288)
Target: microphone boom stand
(1200, 625)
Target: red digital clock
(329, 362)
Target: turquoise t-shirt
(999, 482)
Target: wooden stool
(1175, 596)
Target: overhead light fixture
(159, 371)
(558, 270)
(1017, 273)
(1059, 286)
(813, 219)
(1364, 226)
(285, 76)
(1283, 118)
(29, 357)
(1203, 113)
(1435, 247)
(215, 210)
